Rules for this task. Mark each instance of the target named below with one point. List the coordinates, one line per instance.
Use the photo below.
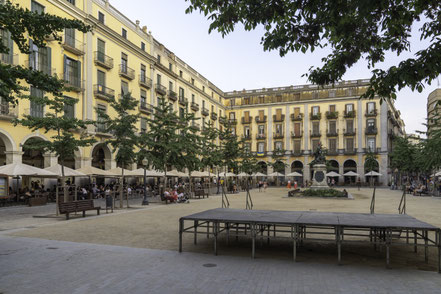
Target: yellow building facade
(121, 56)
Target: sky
(238, 61)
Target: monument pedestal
(319, 177)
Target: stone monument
(319, 168)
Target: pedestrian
(289, 184)
(265, 185)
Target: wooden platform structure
(381, 230)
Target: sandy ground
(156, 227)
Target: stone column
(383, 169)
(287, 130)
(13, 156)
(360, 167)
(306, 169)
(341, 172)
(383, 128)
(306, 128)
(359, 127)
(83, 162)
(270, 130)
(109, 164)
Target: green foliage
(230, 148)
(353, 30)
(123, 128)
(322, 193)
(190, 143)
(429, 156)
(23, 24)
(248, 163)
(210, 151)
(404, 155)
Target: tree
(162, 139)
(211, 152)
(19, 24)
(371, 163)
(61, 126)
(278, 165)
(124, 133)
(248, 164)
(353, 30)
(404, 156)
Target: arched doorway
(297, 166)
(349, 165)
(101, 156)
(263, 167)
(279, 167)
(332, 166)
(32, 156)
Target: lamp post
(144, 200)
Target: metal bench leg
(426, 246)
(388, 241)
(253, 242)
(215, 230)
(438, 243)
(181, 229)
(195, 232)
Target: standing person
(289, 184)
(358, 183)
(265, 185)
(295, 184)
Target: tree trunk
(121, 188)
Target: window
(371, 107)
(278, 146)
(143, 98)
(192, 98)
(316, 128)
(69, 36)
(349, 126)
(69, 108)
(203, 103)
(101, 78)
(315, 144)
(333, 145)
(315, 95)
(36, 108)
(350, 144)
(331, 108)
(297, 146)
(72, 72)
(192, 81)
(158, 79)
(101, 50)
(232, 115)
(181, 93)
(246, 131)
(261, 130)
(101, 17)
(315, 110)
(181, 73)
(232, 102)
(349, 108)
(8, 43)
(233, 131)
(203, 89)
(212, 108)
(37, 7)
(332, 93)
(279, 129)
(124, 33)
(124, 88)
(100, 126)
(143, 125)
(332, 127)
(371, 143)
(159, 58)
(181, 112)
(170, 67)
(143, 73)
(124, 62)
(297, 129)
(71, 2)
(142, 46)
(370, 123)
(39, 58)
(260, 147)
(247, 147)
(170, 86)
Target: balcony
(315, 134)
(40, 66)
(73, 46)
(205, 111)
(145, 81)
(372, 113)
(103, 92)
(34, 111)
(223, 120)
(297, 152)
(246, 137)
(350, 151)
(298, 134)
(317, 116)
(371, 131)
(8, 111)
(279, 119)
(332, 133)
(103, 60)
(332, 152)
(101, 130)
(261, 120)
(331, 114)
(183, 101)
(349, 132)
(145, 108)
(194, 106)
(196, 126)
(172, 95)
(261, 136)
(75, 84)
(349, 114)
(160, 89)
(278, 135)
(372, 150)
(298, 117)
(126, 72)
(232, 121)
(246, 120)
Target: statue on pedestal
(319, 167)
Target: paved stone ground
(43, 266)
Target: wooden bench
(292, 193)
(200, 193)
(77, 206)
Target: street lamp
(144, 200)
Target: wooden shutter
(331, 108)
(297, 129)
(247, 115)
(261, 115)
(278, 114)
(296, 111)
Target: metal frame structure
(380, 230)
